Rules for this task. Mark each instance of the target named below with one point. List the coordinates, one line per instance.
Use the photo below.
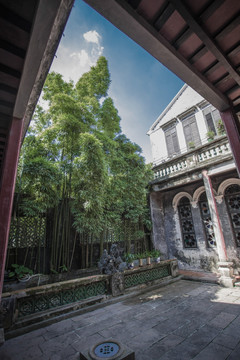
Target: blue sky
(141, 87)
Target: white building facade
(195, 196)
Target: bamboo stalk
(73, 251)
(91, 251)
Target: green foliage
(19, 271)
(148, 253)
(191, 145)
(129, 258)
(155, 253)
(89, 182)
(221, 128)
(76, 160)
(141, 255)
(210, 135)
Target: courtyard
(182, 320)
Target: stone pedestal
(225, 269)
(174, 268)
(117, 284)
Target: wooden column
(7, 188)
(232, 127)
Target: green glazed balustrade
(39, 303)
(145, 276)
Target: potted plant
(221, 128)
(191, 145)
(20, 272)
(156, 255)
(140, 256)
(130, 260)
(148, 257)
(210, 135)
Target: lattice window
(232, 195)
(207, 220)
(27, 232)
(186, 222)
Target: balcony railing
(215, 151)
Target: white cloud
(72, 62)
(82, 58)
(92, 36)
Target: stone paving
(181, 321)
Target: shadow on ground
(181, 321)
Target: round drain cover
(106, 350)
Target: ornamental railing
(215, 151)
(27, 307)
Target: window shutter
(172, 141)
(210, 123)
(190, 130)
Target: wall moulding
(224, 185)
(178, 197)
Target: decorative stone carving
(109, 263)
(219, 199)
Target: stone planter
(136, 263)
(140, 262)
(148, 260)
(130, 265)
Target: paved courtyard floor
(181, 321)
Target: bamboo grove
(81, 172)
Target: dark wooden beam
(8, 178)
(227, 28)
(2, 138)
(134, 3)
(177, 43)
(231, 90)
(237, 108)
(211, 68)
(224, 78)
(7, 70)
(166, 13)
(234, 50)
(8, 89)
(15, 19)
(206, 38)
(6, 118)
(232, 127)
(210, 9)
(202, 50)
(122, 15)
(13, 49)
(6, 103)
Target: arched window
(207, 221)
(232, 196)
(186, 222)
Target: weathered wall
(158, 231)
(167, 231)
(233, 251)
(202, 257)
